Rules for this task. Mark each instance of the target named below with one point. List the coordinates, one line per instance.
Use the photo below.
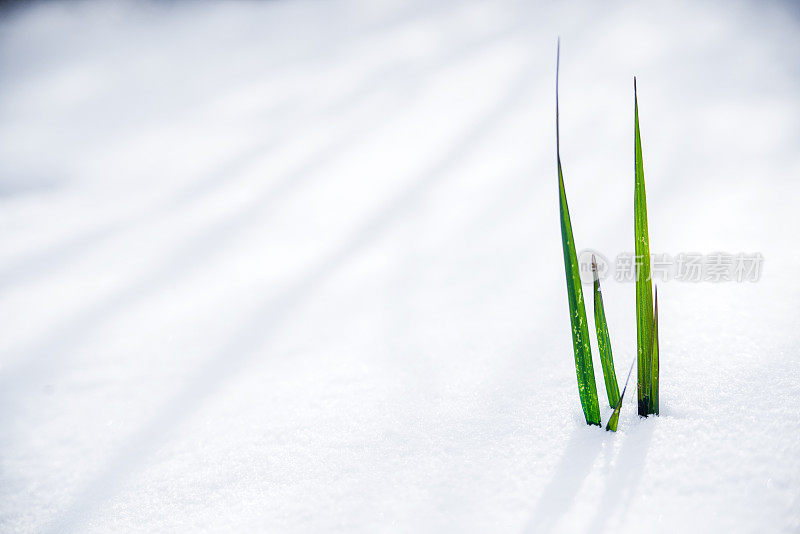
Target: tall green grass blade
(614, 419)
(604, 342)
(654, 361)
(577, 312)
(644, 288)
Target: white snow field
(297, 267)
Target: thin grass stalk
(654, 361)
(614, 419)
(603, 341)
(587, 388)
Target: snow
(296, 266)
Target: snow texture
(296, 266)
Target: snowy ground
(296, 266)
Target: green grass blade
(654, 361)
(577, 312)
(604, 342)
(644, 288)
(612, 422)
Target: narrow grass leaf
(577, 311)
(604, 342)
(614, 419)
(654, 361)
(644, 288)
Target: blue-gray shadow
(558, 495)
(625, 474)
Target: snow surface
(297, 266)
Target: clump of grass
(647, 356)
(587, 389)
